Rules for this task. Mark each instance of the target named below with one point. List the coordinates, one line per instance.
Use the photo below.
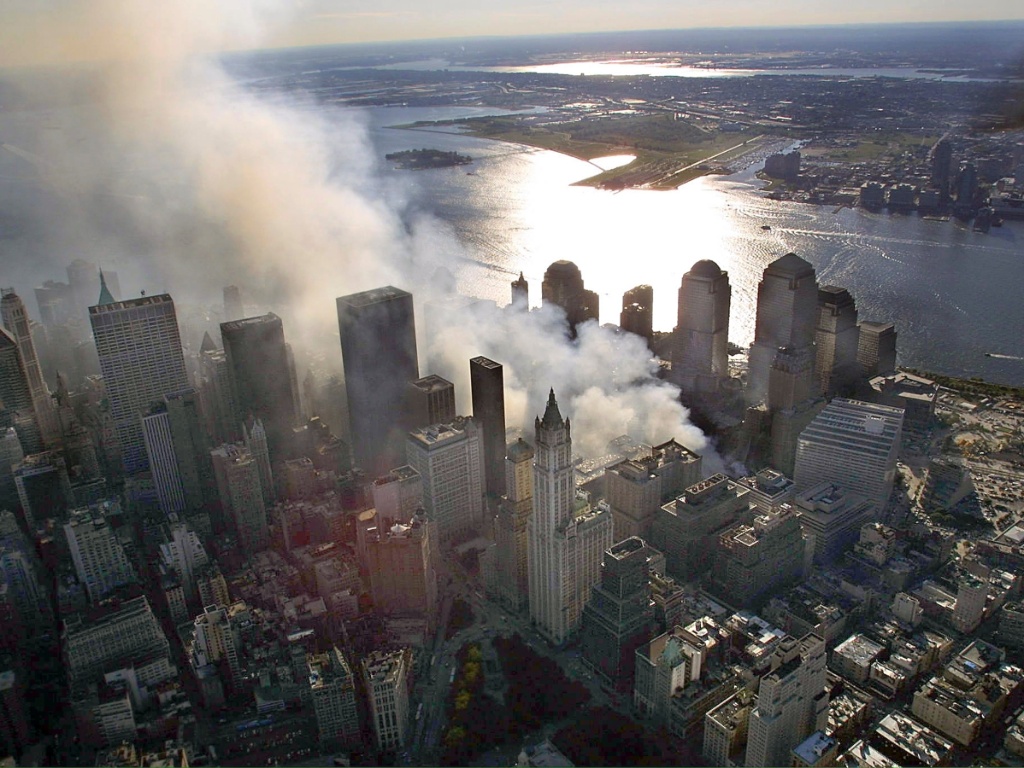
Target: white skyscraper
(449, 460)
(99, 559)
(566, 538)
(702, 332)
(140, 356)
(184, 553)
(852, 444)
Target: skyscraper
(191, 447)
(156, 434)
(233, 309)
(638, 311)
(449, 459)
(15, 318)
(787, 309)
(262, 386)
(521, 293)
(510, 528)
(386, 677)
(700, 354)
(852, 444)
(563, 286)
(876, 349)
(400, 561)
(334, 699)
(99, 559)
(836, 339)
(487, 381)
(140, 356)
(619, 617)
(378, 347)
(238, 482)
(431, 401)
(17, 410)
(566, 537)
(792, 702)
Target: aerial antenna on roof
(143, 293)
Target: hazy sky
(327, 21)
(50, 31)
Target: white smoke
(179, 170)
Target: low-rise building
(853, 658)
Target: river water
(953, 294)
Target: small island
(419, 159)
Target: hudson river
(953, 294)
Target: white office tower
(852, 444)
(792, 702)
(214, 640)
(449, 460)
(163, 465)
(99, 559)
(566, 537)
(140, 356)
(184, 553)
(787, 313)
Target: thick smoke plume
(168, 165)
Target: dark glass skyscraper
(260, 376)
(487, 380)
(378, 348)
(563, 285)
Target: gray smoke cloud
(168, 168)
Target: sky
(34, 32)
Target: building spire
(552, 418)
(106, 297)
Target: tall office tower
(400, 561)
(378, 349)
(966, 187)
(792, 702)
(831, 518)
(123, 634)
(852, 444)
(255, 438)
(56, 303)
(487, 381)
(876, 349)
(685, 529)
(238, 483)
(15, 318)
(334, 700)
(521, 293)
(636, 488)
(638, 311)
(566, 537)
(397, 495)
(618, 619)
(21, 582)
(751, 562)
(941, 158)
(10, 456)
(449, 460)
(700, 355)
(191, 446)
(793, 401)
(213, 381)
(99, 559)
(212, 586)
(262, 386)
(787, 308)
(44, 488)
(16, 407)
(163, 466)
(84, 281)
(563, 286)
(510, 538)
(233, 309)
(836, 339)
(183, 552)
(431, 401)
(141, 360)
(386, 678)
